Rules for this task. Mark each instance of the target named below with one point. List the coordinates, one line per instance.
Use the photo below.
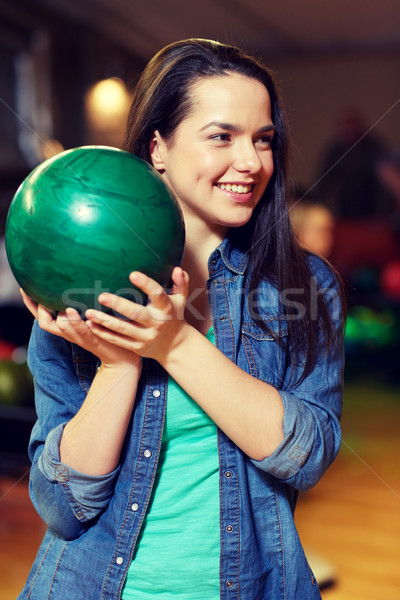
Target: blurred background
(67, 71)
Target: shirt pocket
(86, 365)
(265, 352)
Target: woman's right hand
(70, 326)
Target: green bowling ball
(83, 220)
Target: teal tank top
(177, 554)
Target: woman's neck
(202, 238)
(200, 243)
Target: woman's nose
(246, 158)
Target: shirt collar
(233, 258)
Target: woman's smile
(238, 192)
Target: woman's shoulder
(322, 270)
(327, 283)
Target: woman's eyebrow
(227, 126)
(269, 127)
(235, 128)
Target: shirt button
(222, 318)
(229, 528)
(135, 507)
(228, 474)
(147, 453)
(229, 583)
(156, 393)
(120, 560)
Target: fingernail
(136, 276)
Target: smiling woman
(171, 443)
(220, 160)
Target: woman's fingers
(29, 303)
(141, 322)
(44, 317)
(159, 304)
(158, 307)
(180, 280)
(71, 322)
(154, 291)
(62, 324)
(146, 330)
(118, 305)
(111, 323)
(70, 326)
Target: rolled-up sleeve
(64, 498)
(87, 494)
(312, 412)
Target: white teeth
(238, 188)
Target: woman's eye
(265, 140)
(221, 137)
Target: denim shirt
(94, 521)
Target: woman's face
(220, 160)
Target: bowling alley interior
(68, 70)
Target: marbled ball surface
(83, 220)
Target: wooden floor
(351, 518)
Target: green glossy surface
(83, 220)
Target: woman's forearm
(248, 410)
(92, 440)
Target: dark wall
(67, 58)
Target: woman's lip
(239, 197)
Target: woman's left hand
(152, 330)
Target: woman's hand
(70, 326)
(152, 330)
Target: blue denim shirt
(94, 522)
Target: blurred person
(349, 185)
(388, 168)
(171, 445)
(314, 227)
(388, 171)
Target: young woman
(170, 445)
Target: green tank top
(177, 554)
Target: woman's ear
(157, 146)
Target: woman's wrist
(133, 365)
(183, 346)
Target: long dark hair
(161, 101)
